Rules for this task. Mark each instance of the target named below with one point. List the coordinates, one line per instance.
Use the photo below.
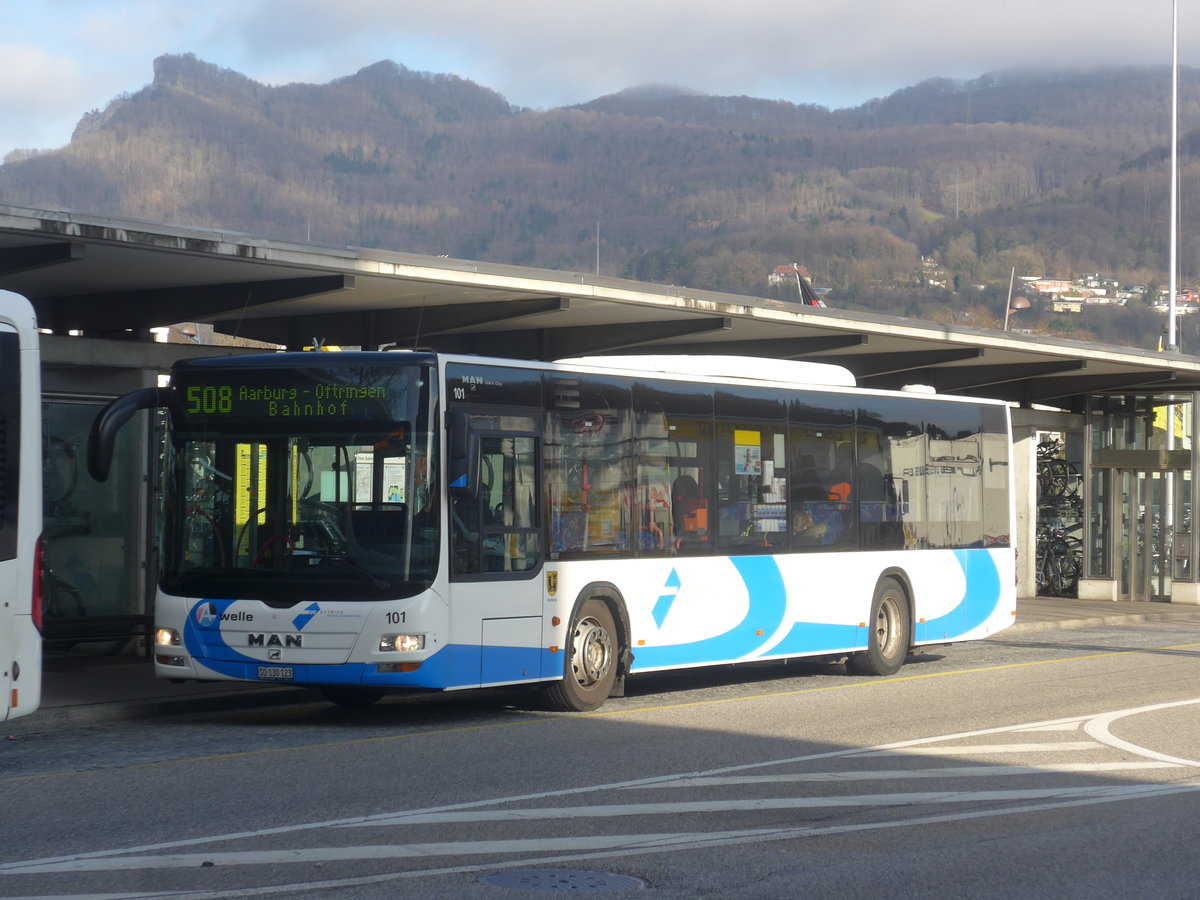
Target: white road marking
(611, 847)
(1061, 726)
(1098, 726)
(618, 810)
(625, 845)
(907, 774)
(989, 749)
(385, 851)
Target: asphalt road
(1059, 764)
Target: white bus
(365, 521)
(20, 509)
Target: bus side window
(499, 530)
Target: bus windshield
(296, 482)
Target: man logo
(275, 640)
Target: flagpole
(1172, 340)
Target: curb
(1096, 621)
(58, 718)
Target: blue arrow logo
(305, 617)
(666, 599)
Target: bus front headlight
(401, 643)
(167, 637)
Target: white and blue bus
(371, 521)
(20, 509)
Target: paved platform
(80, 689)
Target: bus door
(496, 552)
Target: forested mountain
(1049, 172)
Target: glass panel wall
(1139, 422)
(1140, 490)
(1100, 535)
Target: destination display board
(330, 396)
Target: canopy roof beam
(144, 309)
(585, 341)
(37, 256)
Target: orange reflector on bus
(15, 694)
(393, 668)
(553, 649)
(555, 621)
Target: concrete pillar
(1024, 463)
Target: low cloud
(539, 53)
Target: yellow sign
(743, 438)
(1181, 410)
(250, 485)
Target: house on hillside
(788, 273)
(1067, 304)
(1050, 286)
(796, 274)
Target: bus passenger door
(495, 561)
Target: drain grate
(562, 880)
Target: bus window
(652, 493)
(931, 458)
(995, 475)
(588, 463)
(820, 439)
(752, 480)
(499, 530)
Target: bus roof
(787, 371)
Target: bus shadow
(416, 710)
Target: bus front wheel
(590, 666)
(887, 644)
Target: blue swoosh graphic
(768, 603)
(198, 642)
(816, 637)
(981, 599)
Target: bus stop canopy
(113, 278)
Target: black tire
(890, 627)
(590, 663)
(351, 695)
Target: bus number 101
(209, 399)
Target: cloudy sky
(62, 58)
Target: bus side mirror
(462, 456)
(103, 434)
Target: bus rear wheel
(887, 644)
(590, 666)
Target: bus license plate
(276, 673)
